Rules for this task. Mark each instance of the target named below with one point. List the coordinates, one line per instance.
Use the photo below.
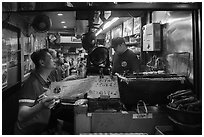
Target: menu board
(136, 25)
(128, 27)
(117, 31)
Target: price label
(142, 116)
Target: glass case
(11, 55)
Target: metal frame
(128, 6)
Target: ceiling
(76, 15)
(76, 21)
(63, 23)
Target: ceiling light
(62, 22)
(109, 23)
(64, 26)
(60, 14)
(98, 32)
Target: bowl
(185, 117)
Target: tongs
(122, 78)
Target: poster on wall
(117, 31)
(32, 43)
(137, 25)
(108, 39)
(128, 27)
(4, 75)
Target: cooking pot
(98, 55)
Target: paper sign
(104, 86)
(142, 116)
